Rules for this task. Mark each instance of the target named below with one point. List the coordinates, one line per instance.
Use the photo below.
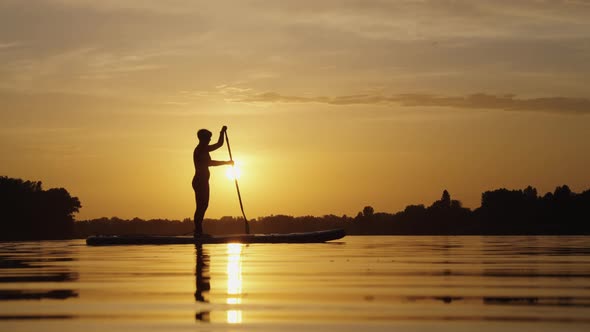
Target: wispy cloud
(5, 45)
(144, 46)
(507, 102)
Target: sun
(234, 172)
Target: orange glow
(234, 281)
(234, 172)
(361, 112)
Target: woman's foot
(201, 236)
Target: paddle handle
(246, 225)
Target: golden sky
(331, 105)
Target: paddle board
(307, 237)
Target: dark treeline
(502, 212)
(27, 212)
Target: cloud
(142, 47)
(473, 101)
(501, 102)
(6, 45)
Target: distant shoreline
(31, 213)
(503, 212)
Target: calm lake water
(378, 283)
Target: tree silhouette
(530, 193)
(27, 212)
(368, 211)
(502, 211)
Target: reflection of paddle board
(307, 237)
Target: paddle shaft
(237, 186)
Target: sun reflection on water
(234, 281)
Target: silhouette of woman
(202, 161)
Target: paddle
(237, 186)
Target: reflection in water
(34, 264)
(202, 278)
(57, 294)
(553, 301)
(368, 283)
(234, 281)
